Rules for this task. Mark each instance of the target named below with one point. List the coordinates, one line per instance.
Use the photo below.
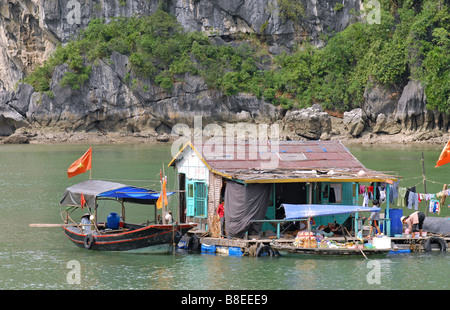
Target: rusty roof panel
(248, 160)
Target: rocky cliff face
(31, 29)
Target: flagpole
(90, 170)
(424, 180)
(162, 197)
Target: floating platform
(255, 246)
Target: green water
(33, 178)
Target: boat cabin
(256, 180)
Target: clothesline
(405, 196)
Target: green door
(201, 199)
(196, 198)
(190, 202)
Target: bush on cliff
(410, 42)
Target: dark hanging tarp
(437, 225)
(243, 204)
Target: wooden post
(387, 224)
(163, 211)
(309, 232)
(123, 212)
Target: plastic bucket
(396, 224)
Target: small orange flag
(81, 165)
(82, 201)
(445, 156)
(162, 196)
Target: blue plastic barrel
(208, 248)
(235, 251)
(396, 224)
(112, 221)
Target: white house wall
(193, 167)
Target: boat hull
(144, 237)
(329, 251)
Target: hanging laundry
(411, 198)
(434, 206)
(337, 189)
(395, 189)
(377, 191)
(401, 197)
(362, 189)
(370, 191)
(407, 196)
(393, 192)
(382, 196)
(366, 199)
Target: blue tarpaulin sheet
(294, 211)
(131, 192)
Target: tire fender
(264, 250)
(88, 241)
(440, 241)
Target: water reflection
(36, 258)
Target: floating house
(255, 180)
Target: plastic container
(112, 221)
(235, 251)
(222, 250)
(396, 224)
(208, 248)
(404, 251)
(382, 243)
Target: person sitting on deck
(169, 218)
(326, 231)
(85, 221)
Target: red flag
(81, 165)
(162, 196)
(445, 156)
(82, 201)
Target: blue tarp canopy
(92, 189)
(305, 211)
(131, 192)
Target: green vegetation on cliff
(411, 41)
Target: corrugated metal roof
(284, 161)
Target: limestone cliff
(30, 30)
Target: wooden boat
(130, 237)
(327, 251)
(118, 236)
